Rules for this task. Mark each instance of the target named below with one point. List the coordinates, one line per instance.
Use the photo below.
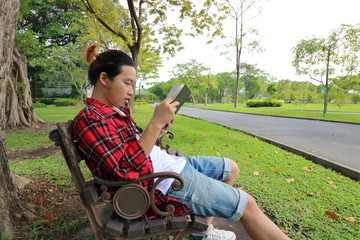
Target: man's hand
(164, 112)
(165, 129)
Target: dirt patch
(33, 153)
(47, 202)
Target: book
(179, 93)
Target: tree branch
(91, 10)
(137, 28)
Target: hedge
(47, 101)
(65, 102)
(264, 103)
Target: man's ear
(103, 78)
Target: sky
(281, 25)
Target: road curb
(271, 115)
(347, 171)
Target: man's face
(119, 90)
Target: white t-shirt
(164, 162)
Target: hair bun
(91, 53)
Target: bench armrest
(107, 196)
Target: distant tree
(242, 11)
(338, 96)
(227, 83)
(139, 24)
(324, 59)
(192, 74)
(271, 89)
(209, 83)
(45, 29)
(253, 80)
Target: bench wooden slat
(199, 222)
(91, 194)
(136, 229)
(115, 226)
(157, 225)
(178, 222)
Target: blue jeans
(204, 191)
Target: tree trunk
(10, 208)
(18, 107)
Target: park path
(332, 144)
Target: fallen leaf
(290, 180)
(250, 156)
(49, 216)
(217, 154)
(333, 186)
(308, 169)
(50, 190)
(38, 202)
(277, 171)
(332, 215)
(256, 173)
(330, 182)
(276, 152)
(350, 219)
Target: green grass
(27, 140)
(292, 110)
(52, 113)
(298, 205)
(53, 167)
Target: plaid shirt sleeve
(107, 155)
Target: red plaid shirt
(107, 140)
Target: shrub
(65, 102)
(47, 101)
(39, 104)
(264, 103)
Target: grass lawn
(295, 110)
(295, 192)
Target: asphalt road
(332, 144)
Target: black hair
(109, 62)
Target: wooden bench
(129, 202)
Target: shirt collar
(105, 109)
